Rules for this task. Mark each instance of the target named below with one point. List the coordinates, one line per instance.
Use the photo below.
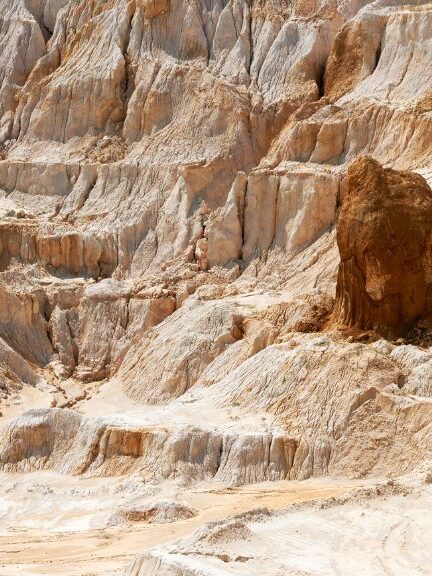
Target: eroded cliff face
(384, 235)
(197, 199)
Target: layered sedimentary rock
(277, 391)
(171, 175)
(197, 198)
(384, 235)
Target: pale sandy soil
(28, 397)
(45, 519)
(381, 536)
(52, 524)
(6, 204)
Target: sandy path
(108, 551)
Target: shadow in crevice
(36, 9)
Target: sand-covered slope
(381, 529)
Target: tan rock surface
(384, 235)
(175, 179)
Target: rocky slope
(215, 237)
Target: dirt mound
(153, 513)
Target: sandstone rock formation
(215, 229)
(384, 235)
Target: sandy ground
(46, 520)
(107, 400)
(27, 398)
(389, 537)
(52, 524)
(384, 536)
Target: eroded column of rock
(384, 235)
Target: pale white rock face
(15, 371)
(420, 380)
(225, 230)
(171, 178)
(303, 207)
(111, 319)
(173, 356)
(409, 357)
(23, 40)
